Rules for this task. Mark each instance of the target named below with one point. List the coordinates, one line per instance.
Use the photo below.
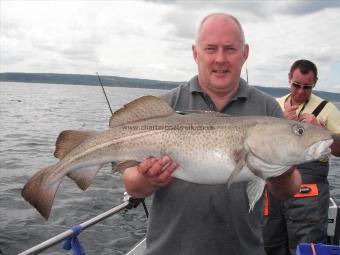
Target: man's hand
(290, 111)
(143, 179)
(310, 118)
(157, 172)
(290, 114)
(286, 185)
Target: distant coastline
(116, 81)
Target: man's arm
(285, 185)
(142, 180)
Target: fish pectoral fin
(240, 162)
(254, 191)
(68, 140)
(39, 192)
(121, 166)
(142, 108)
(83, 176)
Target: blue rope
(73, 243)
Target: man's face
(219, 53)
(301, 85)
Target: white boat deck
(138, 249)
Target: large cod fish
(210, 148)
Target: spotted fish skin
(210, 148)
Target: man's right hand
(290, 111)
(157, 172)
(143, 179)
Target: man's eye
(231, 50)
(209, 50)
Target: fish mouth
(319, 149)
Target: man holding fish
(188, 218)
(206, 170)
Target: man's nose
(221, 56)
(301, 91)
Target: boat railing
(129, 202)
(333, 230)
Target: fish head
(275, 145)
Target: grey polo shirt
(188, 218)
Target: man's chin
(224, 75)
(220, 81)
(300, 100)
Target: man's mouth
(220, 71)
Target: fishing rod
(142, 200)
(247, 72)
(107, 100)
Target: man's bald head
(221, 16)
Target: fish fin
(143, 108)
(68, 140)
(201, 112)
(216, 114)
(83, 176)
(240, 156)
(254, 191)
(121, 166)
(40, 192)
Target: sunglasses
(298, 85)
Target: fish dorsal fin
(143, 108)
(68, 140)
(200, 112)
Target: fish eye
(298, 129)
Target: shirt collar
(194, 86)
(243, 91)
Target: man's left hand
(285, 185)
(310, 118)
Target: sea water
(31, 117)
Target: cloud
(305, 7)
(152, 39)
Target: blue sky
(152, 39)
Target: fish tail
(40, 190)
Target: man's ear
(245, 53)
(290, 76)
(194, 52)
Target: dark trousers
(297, 220)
